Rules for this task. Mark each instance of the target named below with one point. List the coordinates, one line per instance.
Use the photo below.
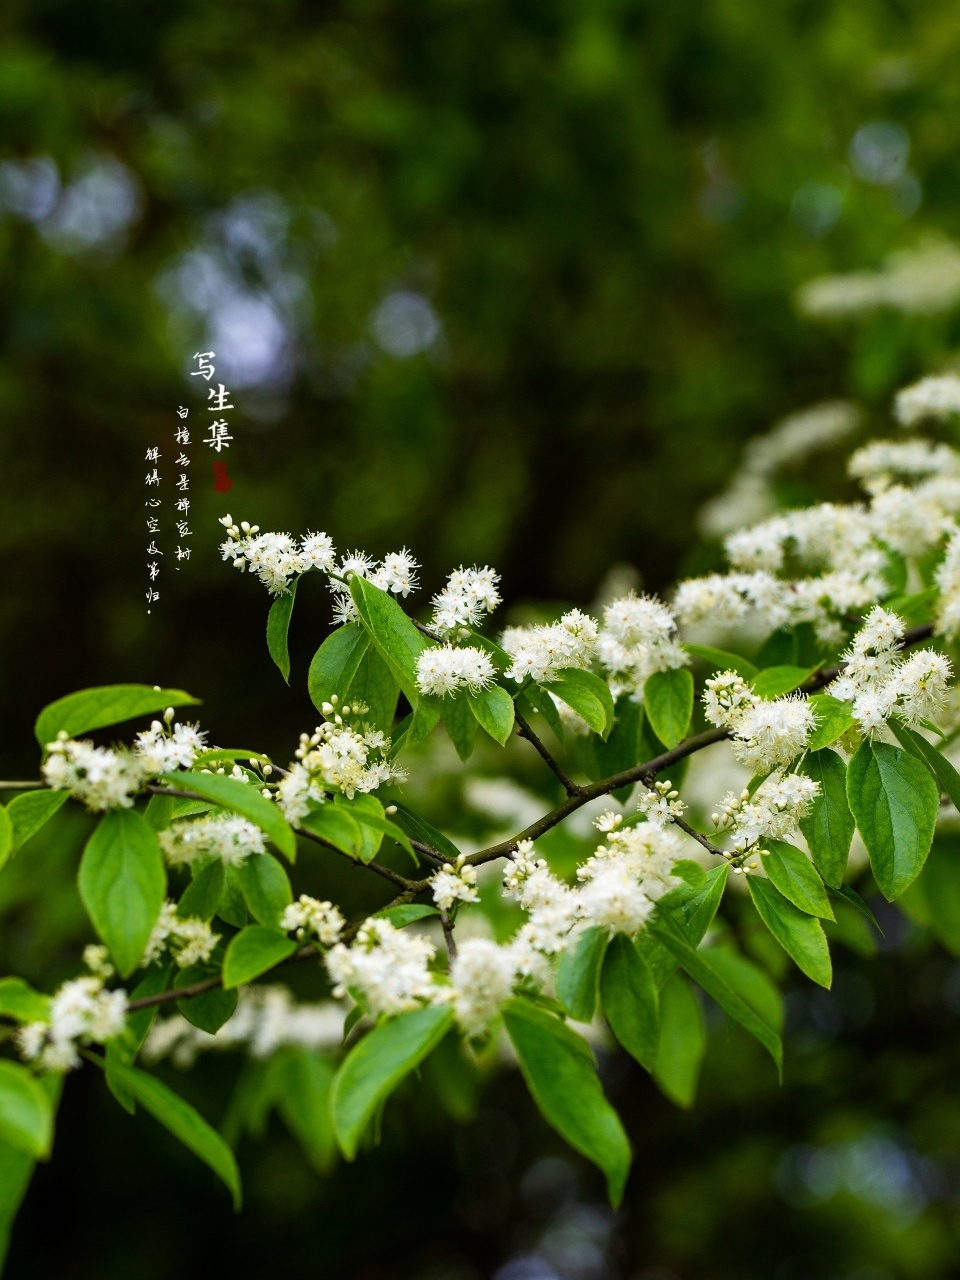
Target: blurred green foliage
(528, 274)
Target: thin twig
(448, 938)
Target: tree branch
(525, 731)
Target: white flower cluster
(396, 572)
(846, 548)
(948, 584)
(470, 594)
(934, 397)
(453, 884)
(661, 803)
(226, 836)
(764, 733)
(189, 940)
(880, 681)
(445, 669)
(100, 777)
(638, 638)
(879, 464)
(336, 757)
(750, 495)
(266, 1019)
(310, 915)
(773, 811)
(541, 652)
(81, 1012)
(482, 978)
(386, 967)
(275, 558)
(918, 281)
(163, 749)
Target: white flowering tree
(830, 703)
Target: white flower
(228, 837)
(162, 751)
(937, 397)
(310, 915)
(188, 939)
(444, 669)
(386, 967)
(772, 733)
(336, 756)
(661, 803)
(948, 583)
(541, 652)
(774, 810)
(918, 281)
(397, 572)
(81, 1012)
(451, 885)
(482, 979)
(316, 552)
(98, 776)
(267, 1017)
(726, 697)
(470, 594)
(638, 637)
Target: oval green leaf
(278, 627)
(374, 1067)
(253, 951)
(578, 973)
(494, 712)
(26, 1115)
(895, 801)
(628, 994)
(108, 704)
(559, 1071)
(800, 935)
(828, 827)
(668, 698)
(796, 877)
(122, 882)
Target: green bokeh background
(601, 211)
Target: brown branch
(525, 731)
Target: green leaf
(122, 881)
(374, 685)
(721, 660)
(162, 810)
(853, 899)
(422, 831)
(232, 906)
(895, 802)
(834, 718)
(425, 718)
(375, 1066)
(578, 973)
(210, 1010)
(26, 1115)
(19, 1001)
(381, 825)
(335, 664)
(278, 627)
(393, 633)
(828, 827)
(16, 1169)
(697, 965)
(243, 798)
(944, 772)
(201, 898)
(303, 1100)
(108, 704)
(186, 1124)
(337, 825)
(774, 682)
(800, 935)
(6, 835)
(30, 811)
(693, 907)
(265, 887)
(621, 749)
(752, 984)
(668, 698)
(628, 994)
(366, 810)
(587, 694)
(406, 913)
(493, 709)
(533, 698)
(795, 876)
(253, 951)
(558, 1068)
(683, 1042)
(460, 724)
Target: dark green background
(597, 200)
